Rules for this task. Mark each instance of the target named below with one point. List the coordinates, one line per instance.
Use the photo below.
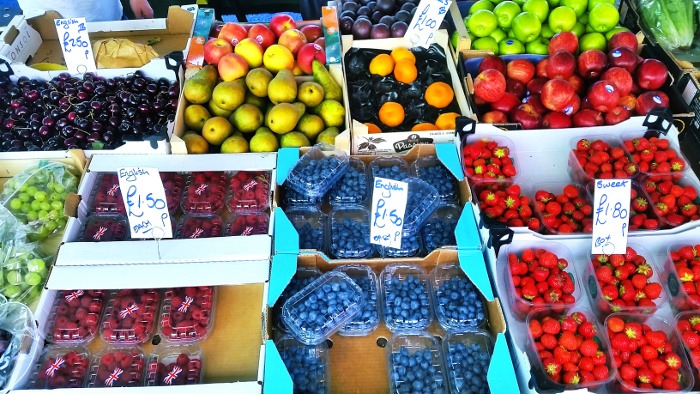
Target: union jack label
(114, 376)
(248, 230)
(172, 375)
(53, 368)
(99, 233)
(74, 295)
(186, 303)
(113, 190)
(201, 189)
(197, 233)
(128, 310)
(250, 185)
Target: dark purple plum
(364, 10)
(398, 29)
(350, 6)
(387, 20)
(376, 16)
(380, 30)
(362, 29)
(403, 16)
(386, 6)
(345, 24)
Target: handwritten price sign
(611, 207)
(426, 21)
(75, 44)
(146, 206)
(388, 208)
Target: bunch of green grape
(23, 274)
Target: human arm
(141, 8)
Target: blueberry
(368, 318)
(352, 187)
(291, 198)
(406, 303)
(439, 230)
(410, 247)
(301, 279)
(390, 168)
(459, 304)
(309, 223)
(350, 239)
(416, 371)
(467, 368)
(436, 174)
(310, 237)
(313, 177)
(307, 366)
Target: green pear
(311, 126)
(247, 118)
(257, 81)
(259, 102)
(284, 117)
(310, 93)
(331, 88)
(229, 95)
(332, 112)
(264, 140)
(328, 135)
(294, 139)
(282, 88)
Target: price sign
(75, 44)
(388, 208)
(426, 21)
(144, 199)
(611, 207)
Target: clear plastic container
(248, 224)
(174, 365)
(193, 226)
(432, 171)
(674, 172)
(105, 227)
(583, 176)
(585, 225)
(318, 170)
(519, 305)
(411, 246)
(459, 306)
(406, 294)
(353, 187)
(302, 278)
(677, 274)
(543, 381)
(349, 233)
(130, 316)
(291, 198)
(439, 229)
(249, 192)
(687, 319)
(117, 367)
(415, 364)
(519, 209)
(205, 192)
(173, 184)
(62, 368)
(465, 377)
(187, 314)
(368, 319)
(675, 216)
(502, 146)
(596, 293)
(310, 224)
(75, 316)
(320, 309)
(390, 167)
(308, 366)
(106, 195)
(657, 324)
(423, 200)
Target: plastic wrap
(23, 272)
(671, 22)
(17, 321)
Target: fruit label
(426, 21)
(75, 44)
(673, 285)
(611, 207)
(389, 199)
(145, 202)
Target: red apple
(588, 118)
(492, 62)
(489, 85)
(215, 49)
(591, 63)
(321, 41)
(515, 87)
(535, 86)
(556, 120)
(232, 33)
(572, 106)
(232, 66)
(520, 70)
(603, 96)
(506, 103)
(541, 68)
(494, 117)
(619, 77)
(651, 74)
(556, 94)
(650, 100)
(564, 41)
(628, 101)
(536, 102)
(577, 83)
(561, 64)
(527, 116)
(617, 115)
(623, 39)
(623, 57)
(262, 34)
(279, 23)
(293, 39)
(312, 32)
(585, 104)
(307, 54)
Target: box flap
(501, 375)
(21, 41)
(277, 379)
(467, 232)
(286, 158)
(284, 266)
(448, 155)
(473, 264)
(286, 238)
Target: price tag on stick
(426, 21)
(388, 208)
(75, 44)
(145, 202)
(611, 207)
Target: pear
(331, 88)
(310, 125)
(257, 81)
(235, 144)
(195, 116)
(332, 113)
(259, 102)
(198, 88)
(284, 117)
(282, 88)
(247, 118)
(229, 95)
(310, 93)
(294, 139)
(328, 135)
(264, 140)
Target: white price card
(389, 199)
(426, 21)
(145, 202)
(611, 207)
(75, 44)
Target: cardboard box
(359, 364)
(400, 142)
(455, 17)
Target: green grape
(32, 216)
(16, 204)
(45, 206)
(43, 214)
(36, 205)
(32, 278)
(13, 263)
(26, 207)
(12, 291)
(40, 195)
(25, 197)
(62, 221)
(44, 272)
(55, 197)
(51, 225)
(36, 265)
(31, 190)
(59, 188)
(57, 205)
(13, 277)
(54, 214)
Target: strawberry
(551, 367)
(483, 154)
(551, 326)
(588, 347)
(568, 341)
(587, 329)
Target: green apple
(481, 5)
(510, 34)
(589, 29)
(519, 2)
(603, 17)
(454, 39)
(510, 46)
(553, 3)
(583, 18)
(614, 31)
(593, 3)
(482, 23)
(526, 27)
(579, 6)
(498, 34)
(505, 12)
(562, 19)
(538, 7)
(485, 44)
(538, 47)
(579, 29)
(546, 31)
(592, 41)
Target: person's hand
(141, 9)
